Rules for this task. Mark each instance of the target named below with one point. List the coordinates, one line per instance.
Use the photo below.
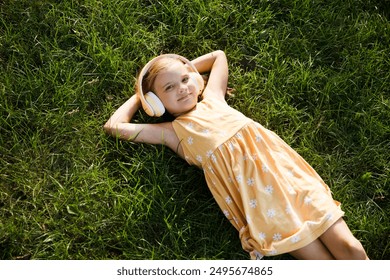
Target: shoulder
(170, 138)
(214, 99)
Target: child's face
(176, 89)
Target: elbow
(220, 52)
(112, 129)
(108, 128)
(219, 55)
(105, 128)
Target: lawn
(315, 72)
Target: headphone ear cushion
(154, 104)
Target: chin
(183, 110)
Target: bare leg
(314, 251)
(342, 244)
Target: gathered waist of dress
(199, 145)
(203, 130)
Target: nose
(183, 88)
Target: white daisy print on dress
(273, 253)
(190, 140)
(226, 213)
(258, 255)
(250, 182)
(262, 235)
(239, 178)
(329, 217)
(190, 125)
(228, 200)
(258, 138)
(265, 168)
(308, 200)
(277, 237)
(211, 155)
(269, 189)
(295, 239)
(253, 203)
(211, 169)
(271, 213)
(291, 190)
(199, 158)
(290, 174)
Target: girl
(276, 201)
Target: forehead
(174, 66)
(174, 69)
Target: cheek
(167, 100)
(191, 86)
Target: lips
(185, 97)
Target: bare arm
(215, 63)
(119, 125)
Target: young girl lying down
(269, 193)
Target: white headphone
(151, 104)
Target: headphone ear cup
(155, 108)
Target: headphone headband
(149, 105)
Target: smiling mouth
(184, 97)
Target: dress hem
(315, 234)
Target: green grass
(316, 72)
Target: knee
(353, 250)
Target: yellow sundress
(269, 193)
